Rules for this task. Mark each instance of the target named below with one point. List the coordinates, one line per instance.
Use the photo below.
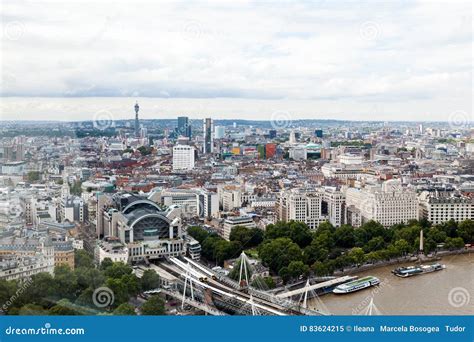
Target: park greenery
(291, 249)
(214, 248)
(71, 292)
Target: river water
(446, 292)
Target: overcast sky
(393, 60)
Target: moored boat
(356, 285)
(410, 271)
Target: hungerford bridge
(216, 294)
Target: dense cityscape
(224, 217)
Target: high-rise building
(272, 133)
(183, 157)
(318, 133)
(184, 128)
(208, 129)
(137, 124)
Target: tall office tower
(137, 108)
(184, 128)
(318, 133)
(208, 130)
(183, 157)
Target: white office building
(312, 206)
(440, 207)
(192, 202)
(233, 221)
(388, 204)
(183, 157)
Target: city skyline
(403, 60)
(121, 108)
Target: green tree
(300, 234)
(198, 233)
(154, 306)
(150, 280)
(466, 231)
(88, 277)
(39, 291)
(436, 234)
(357, 255)
(298, 268)
(409, 234)
(248, 237)
(375, 244)
(85, 299)
(344, 236)
(65, 282)
(321, 268)
(450, 228)
(124, 309)
(285, 274)
(119, 289)
(402, 247)
(326, 227)
(33, 176)
(144, 150)
(117, 270)
(83, 259)
(7, 290)
(263, 283)
(133, 284)
(270, 282)
(279, 253)
(106, 263)
(454, 243)
(373, 256)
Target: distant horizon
(78, 109)
(234, 119)
(351, 60)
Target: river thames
(446, 292)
